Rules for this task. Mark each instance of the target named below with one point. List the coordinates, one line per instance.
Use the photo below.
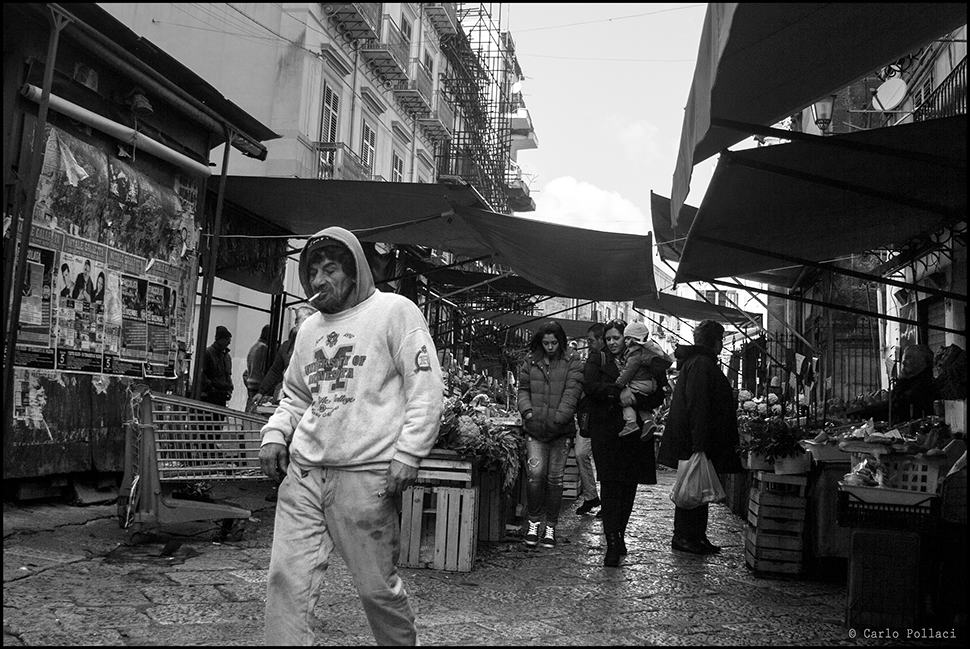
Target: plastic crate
(908, 472)
(880, 507)
(884, 576)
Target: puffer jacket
(550, 391)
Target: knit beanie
(222, 332)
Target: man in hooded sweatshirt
(362, 400)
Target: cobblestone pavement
(71, 576)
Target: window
(730, 298)
(406, 29)
(429, 62)
(368, 147)
(397, 168)
(328, 127)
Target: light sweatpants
(587, 475)
(319, 510)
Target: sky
(606, 85)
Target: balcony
(443, 16)
(416, 95)
(356, 20)
(335, 161)
(517, 191)
(440, 123)
(387, 56)
(949, 99)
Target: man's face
(331, 285)
(595, 344)
(87, 268)
(66, 276)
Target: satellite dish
(889, 94)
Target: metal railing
(335, 161)
(392, 42)
(949, 98)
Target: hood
(683, 352)
(365, 279)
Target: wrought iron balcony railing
(949, 98)
(335, 161)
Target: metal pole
(208, 278)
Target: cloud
(639, 142)
(567, 201)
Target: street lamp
(822, 113)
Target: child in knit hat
(642, 360)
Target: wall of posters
(111, 256)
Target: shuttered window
(368, 147)
(397, 169)
(330, 114)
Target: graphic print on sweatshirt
(331, 373)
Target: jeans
(584, 459)
(322, 509)
(544, 469)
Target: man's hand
(254, 403)
(274, 460)
(400, 476)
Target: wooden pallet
(439, 528)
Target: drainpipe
(209, 275)
(59, 21)
(414, 119)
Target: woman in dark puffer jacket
(549, 388)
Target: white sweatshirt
(363, 387)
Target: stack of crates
(774, 540)
(439, 515)
(570, 478)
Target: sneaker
(629, 429)
(549, 537)
(532, 536)
(588, 506)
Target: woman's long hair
(548, 327)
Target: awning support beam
(795, 136)
(837, 307)
(829, 268)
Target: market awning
(573, 328)
(758, 63)
(563, 260)
(688, 309)
(671, 240)
(457, 279)
(820, 201)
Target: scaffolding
(482, 68)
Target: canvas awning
(821, 201)
(563, 260)
(687, 309)
(758, 63)
(573, 328)
(671, 240)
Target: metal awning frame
(826, 267)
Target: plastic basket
(883, 508)
(909, 473)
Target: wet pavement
(71, 576)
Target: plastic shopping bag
(697, 483)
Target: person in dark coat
(217, 370)
(914, 393)
(621, 462)
(549, 387)
(702, 417)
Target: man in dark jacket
(702, 417)
(217, 370)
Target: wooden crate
(492, 507)
(775, 536)
(439, 528)
(570, 479)
(443, 467)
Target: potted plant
(753, 430)
(784, 449)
